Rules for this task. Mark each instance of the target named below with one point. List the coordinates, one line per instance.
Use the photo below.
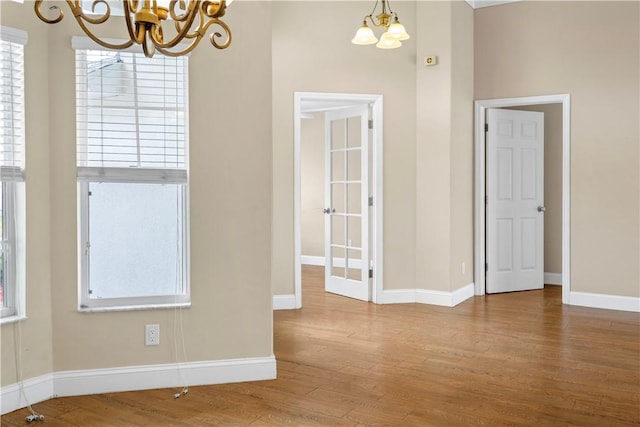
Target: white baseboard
(463, 294)
(95, 381)
(284, 302)
(35, 389)
(424, 296)
(320, 261)
(553, 278)
(398, 296)
(609, 302)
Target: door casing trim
(480, 184)
(376, 240)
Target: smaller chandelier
(393, 35)
(145, 18)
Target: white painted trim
(425, 296)
(95, 381)
(399, 296)
(553, 278)
(609, 302)
(13, 35)
(477, 4)
(377, 244)
(479, 181)
(461, 295)
(321, 261)
(35, 389)
(284, 302)
(312, 260)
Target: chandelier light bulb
(397, 31)
(387, 41)
(364, 35)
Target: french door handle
(328, 211)
(541, 208)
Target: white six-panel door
(515, 200)
(346, 202)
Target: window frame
(12, 191)
(86, 175)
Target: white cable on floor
(17, 343)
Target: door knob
(328, 210)
(541, 209)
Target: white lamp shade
(387, 41)
(364, 35)
(397, 31)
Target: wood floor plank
(508, 359)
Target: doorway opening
(323, 106)
(481, 108)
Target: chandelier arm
(198, 35)
(215, 34)
(185, 51)
(130, 5)
(182, 24)
(102, 43)
(77, 11)
(38, 4)
(374, 8)
(372, 21)
(187, 11)
(80, 17)
(148, 48)
(389, 7)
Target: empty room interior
(239, 213)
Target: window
(12, 134)
(132, 180)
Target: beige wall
(311, 56)
(552, 184)
(428, 213)
(539, 48)
(444, 147)
(461, 151)
(312, 185)
(230, 197)
(35, 332)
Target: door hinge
(486, 267)
(486, 200)
(486, 127)
(370, 123)
(371, 273)
(370, 200)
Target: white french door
(347, 202)
(515, 200)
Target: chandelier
(147, 22)
(394, 32)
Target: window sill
(12, 319)
(133, 307)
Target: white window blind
(12, 104)
(12, 150)
(130, 110)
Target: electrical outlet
(152, 335)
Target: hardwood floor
(508, 359)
